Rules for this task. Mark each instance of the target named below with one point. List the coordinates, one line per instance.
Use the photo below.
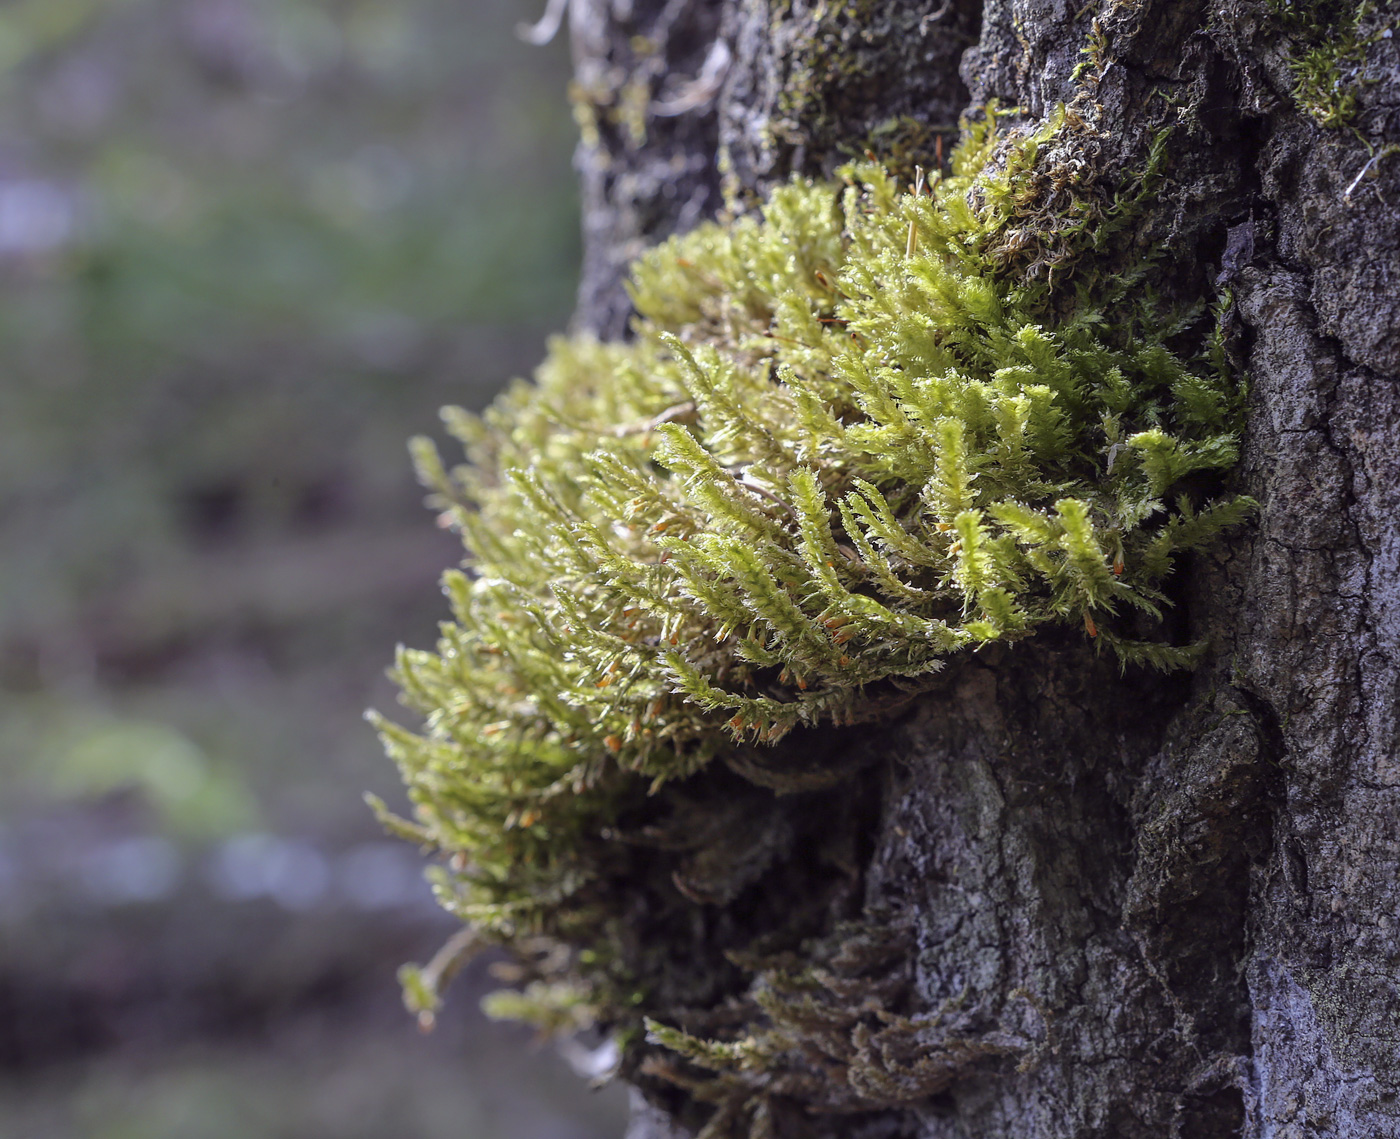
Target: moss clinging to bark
(836, 1000)
(1328, 49)
(847, 443)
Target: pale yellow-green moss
(853, 437)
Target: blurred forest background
(247, 247)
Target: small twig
(757, 488)
(1384, 152)
(934, 17)
(646, 425)
(913, 242)
(700, 90)
(548, 26)
(1355, 182)
(437, 974)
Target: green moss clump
(847, 443)
(1330, 39)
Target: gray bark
(1189, 887)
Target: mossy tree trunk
(1191, 883)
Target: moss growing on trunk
(1328, 44)
(857, 434)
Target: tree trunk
(1187, 886)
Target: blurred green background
(247, 247)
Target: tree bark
(1189, 885)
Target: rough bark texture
(1185, 890)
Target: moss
(836, 999)
(1328, 43)
(857, 434)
